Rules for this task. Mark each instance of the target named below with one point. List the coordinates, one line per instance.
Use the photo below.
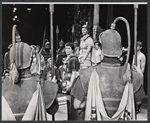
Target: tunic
(85, 48)
(72, 64)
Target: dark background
(31, 25)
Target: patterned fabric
(85, 48)
(70, 64)
(36, 110)
(23, 55)
(112, 83)
(95, 109)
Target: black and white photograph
(74, 61)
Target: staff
(43, 41)
(135, 33)
(51, 9)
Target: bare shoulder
(142, 56)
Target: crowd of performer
(74, 63)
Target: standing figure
(86, 44)
(97, 52)
(46, 51)
(141, 61)
(23, 98)
(69, 70)
(60, 54)
(104, 92)
(77, 48)
(61, 50)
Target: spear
(135, 33)
(72, 32)
(51, 10)
(43, 40)
(57, 31)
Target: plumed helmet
(111, 43)
(21, 54)
(47, 44)
(18, 38)
(84, 26)
(61, 42)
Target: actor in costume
(141, 61)
(105, 92)
(61, 50)
(69, 71)
(77, 48)
(60, 54)
(97, 53)
(23, 97)
(46, 51)
(86, 44)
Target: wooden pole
(109, 15)
(96, 14)
(51, 9)
(135, 33)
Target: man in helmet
(100, 92)
(60, 54)
(22, 93)
(6, 56)
(46, 51)
(61, 50)
(86, 44)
